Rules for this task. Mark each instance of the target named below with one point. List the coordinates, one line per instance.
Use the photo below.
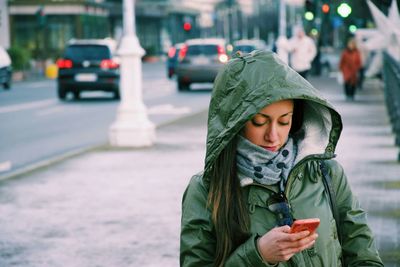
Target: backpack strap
(327, 180)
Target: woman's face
(351, 45)
(270, 127)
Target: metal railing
(391, 76)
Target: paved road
(37, 128)
(121, 207)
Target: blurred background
(80, 201)
(35, 32)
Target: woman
(350, 65)
(268, 130)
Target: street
(36, 127)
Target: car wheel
(182, 86)
(117, 95)
(77, 95)
(61, 93)
(7, 85)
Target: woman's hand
(279, 245)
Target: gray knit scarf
(264, 166)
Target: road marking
(168, 109)
(5, 166)
(30, 105)
(50, 111)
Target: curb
(40, 165)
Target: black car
(5, 69)
(88, 65)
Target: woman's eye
(259, 120)
(284, 123)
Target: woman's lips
(270, 148)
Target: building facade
(44, 26)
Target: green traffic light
(352, 28)
(309, 15)
(344, 10)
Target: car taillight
(182, 52)
(108, 64)
(220, 49)
(171, 52)
(222, 57)
(64, 63)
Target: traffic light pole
(132, 127)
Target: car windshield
(195, 50)
(245, 48)
(87, 52)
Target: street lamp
(132, 128)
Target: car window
(245, 48)
(87, 52)
(195, 50)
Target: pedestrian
(302, 52)
(349, 65)
(269, 131)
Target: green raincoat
(242, 88)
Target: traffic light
(325, 8)
(344, 10)
(309, 6)
(352, 28)
(309, 10)
(187, 26)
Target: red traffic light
(325, 8)
(187, 26)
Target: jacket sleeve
(358, 246)
(198, 244)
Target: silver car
(199, 61)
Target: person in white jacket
(303, 51)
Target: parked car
(5, 69)
(200, 61)
(88, 65)
(172, 60)
(245, 46)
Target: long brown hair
(229, 208)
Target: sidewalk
(367, 152)
(121, 207)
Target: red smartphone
(305, 224)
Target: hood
(247, 84)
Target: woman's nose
(271, 133)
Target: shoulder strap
(327, 180)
